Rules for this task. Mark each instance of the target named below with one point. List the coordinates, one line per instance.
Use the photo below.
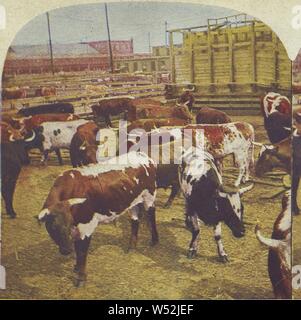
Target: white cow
(58, 135)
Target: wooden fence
(230, 56)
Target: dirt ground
(36, 270)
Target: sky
(127, 20)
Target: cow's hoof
(154, 242)
(75, 269)
(12, 215)
(79, 283)
(191, 254)
(224, 259)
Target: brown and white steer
(80, 199)
(279, 260)
(220, 140)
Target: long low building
(22, 59)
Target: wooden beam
(210, 55)
(253, 54)
(172, 57)
(231, 60)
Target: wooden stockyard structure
(71, 87)
(230, 60)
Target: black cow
(13, 157)
(278, 126)
(59, 107)
(206, 200)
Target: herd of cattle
(96, 192)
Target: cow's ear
(74, 201)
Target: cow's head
(60, 224)
(269, 158)
(183, 112)
(89, 153)
(232, 210)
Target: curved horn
(258, 144)
(42, 215)
(11, 138)
(83, 145)
(248, 188)
(31, 138)
(74, 201)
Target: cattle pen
(229, 62)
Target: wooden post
(191, 57)
(231, 60)
(253, 54)
(172, 57)
(210, 55)
(109, 39)
(50, 43)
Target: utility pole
(109, 40)
(50, 43)
(149, 43)
(166, 39)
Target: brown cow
(150, 124)
(211, 116)
(85, 134)
(14, 93)
(45, 91)
(279, 260)
(80, 199)
(111, 107)
(157, 112)
(187, 97)
(9, 134)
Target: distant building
(67, 57)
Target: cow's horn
(258, 144)
(74, 201)
(31, 138)
(43, 214)
(11, 138)
(245, 189)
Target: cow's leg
(295, 186)
(8, 189)
(151, 214)
(81, 251)
(193, 225)
(44, 158)
(243, 171)
(219, 165)
(149, 206)
(134, 226)
(218, 238)
(59, 157)
(174, 191)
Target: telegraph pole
(149, 43)
(109, 40)
(166, 40)
(50, 43)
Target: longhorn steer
(80, 199)
(206, 200)
(279, 260)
